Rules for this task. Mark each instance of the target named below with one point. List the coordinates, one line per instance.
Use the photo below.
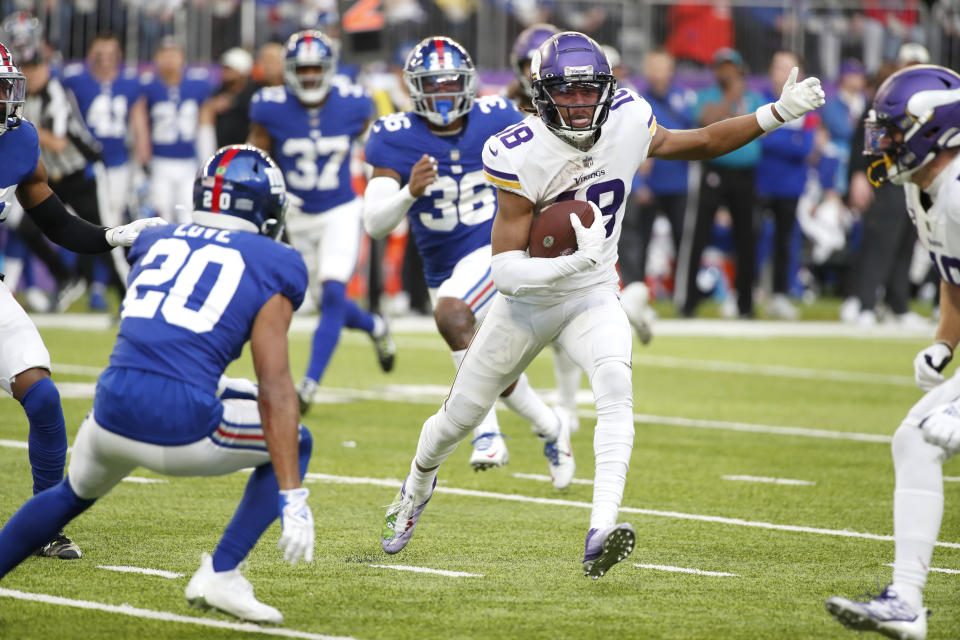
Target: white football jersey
(529, 160)
(939, 226)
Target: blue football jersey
(20, 152)
(105, 107)
(454, 215)
(312, 145)
(193, 294)
(174, 112)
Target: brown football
(551, 233)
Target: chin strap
(875, 179)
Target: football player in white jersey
(586, 142)
(914, 128)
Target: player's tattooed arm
(260, 137)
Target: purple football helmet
(915, 115)
(526, 43)
(441, 79)
(572, 87)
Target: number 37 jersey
(529, 160)
(454, 215)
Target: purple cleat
(401, 519)
(606, 548)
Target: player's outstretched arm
(385, 202)
(514, 271)
(723, 137)
(67, 230)
(280, 419)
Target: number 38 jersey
(938, 228)
(454, 215)
(193, 294)
(312, 145)
(528, 160)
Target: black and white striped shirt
(54, 108)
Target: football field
(760, 484)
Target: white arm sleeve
(515, 273)
(384, 205)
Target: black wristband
(67, 230)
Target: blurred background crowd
(762, 232)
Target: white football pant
(21, 346)
(329, 242)
(171, 188)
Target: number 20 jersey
(938, 228)
(312, 145)
(454, 215)
(529, 160)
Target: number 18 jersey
(454, 215)
(938, 228)
(529, 160)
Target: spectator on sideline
(268, 71)
(225, 118)
(726, 181)
(840, 116)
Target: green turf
(528, 553)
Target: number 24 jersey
(529, 160)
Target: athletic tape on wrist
(766, 119)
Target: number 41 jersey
(529, 160)
(454, 215)
(312, 145)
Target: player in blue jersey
(197, 292)
(174, 95)
(309, 126)
(427, 167)
(109, 98)
(24, 360)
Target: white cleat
(489, 451)
(305, 391)
(635, 298)
(781, 307)
(886, 614)
(559, 455)
(229, 592)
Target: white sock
(379, 326)
(419, 483)
(567, 374)
(612, 440)
(917, 510)
(525, 402)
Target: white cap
(913, 52)
(237, 59)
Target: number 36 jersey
(938, 228)
(312, 145)
(454, 215)
(528, 160)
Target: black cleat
(60, 547)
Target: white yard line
(165, 616)
(951, 478)
(147, 572)
(139, 480)
(14, 444)
(544, 478)
(936, 570)
(766, 480)
(677, 515)
(699, 572)
(439, 572)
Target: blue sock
(257, 511)
(47, 442)
(37, 522)
(357, 318)
(333, 314)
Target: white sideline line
(764, 479)
(698, 572)
(678, 515)
(139, 480)
(15, 444)
(166, 616)
(951, 478)
(539, 477)
(147, 572)
(936, 569)
(77, 369)
(439, 572)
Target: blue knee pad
(47, 441)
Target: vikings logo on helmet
(307, 51)
(441, 79)
(13, 88)
(915, 115)
(242, 182)
(573, 87)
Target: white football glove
(942, 428)
(929, 364)
(126, 234)
(297, 521)
(590, 239)
(795, 100)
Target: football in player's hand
(551, 234)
